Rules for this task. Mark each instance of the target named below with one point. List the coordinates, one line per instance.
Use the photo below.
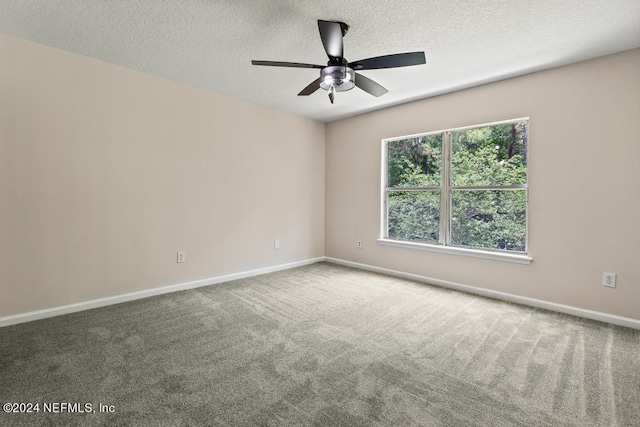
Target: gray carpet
(323, 345)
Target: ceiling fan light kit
(339, 75)
(337, 78)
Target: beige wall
(584, 201)
(106, 172)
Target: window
(460, 188)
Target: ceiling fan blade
(286, 64)
(390, 61)
(369, 86)
(331, 34)
(314, 86)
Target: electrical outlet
(276, 244)
(359, 244)
(609, 280)
(181, 256)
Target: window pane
(414, 216)
(492, 155)
(489, 219)
(415, 162)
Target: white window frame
(445, 188)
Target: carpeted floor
(322, 345)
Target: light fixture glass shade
(340, 77)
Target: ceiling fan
(340, 75)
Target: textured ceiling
(210, 43)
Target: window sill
(498, 256)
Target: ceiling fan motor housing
(340, 77)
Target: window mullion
(444, 190)
(447, 228)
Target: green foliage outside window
(415, 162)
(494, 155)
(488, 218)
(415, 216)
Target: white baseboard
(532, 302)
(101, 302)
(116, 299)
